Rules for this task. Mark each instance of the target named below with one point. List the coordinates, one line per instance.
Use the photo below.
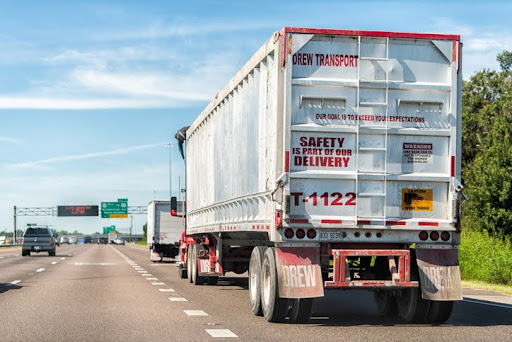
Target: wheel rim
(254, 290)
(265, 284)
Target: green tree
(487, 148)
(145, 231)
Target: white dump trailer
(332, 160)
(163, 230)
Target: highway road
(114, 293)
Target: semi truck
(163, 231)
(332, 161)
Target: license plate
(37, 248)
(324, 236)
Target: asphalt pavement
(115, 293)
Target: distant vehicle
(73, 240)
(119, 241)
(102, 240)
(38, 239)
(164, 230)
(64, 239)
(57, 240)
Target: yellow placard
(417, 199)
(118, 215)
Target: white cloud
(49, 161)
(9, 140)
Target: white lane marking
(94, 264)
(134, 265)
(178, 299)
(142, 271)
(166, 290)
(153, 278)
(488, 303)
(1, 257)
(146, 275)
(40, 270)
(195, 312)
(63, 258)
(220, 333)
(158, 284)
(55, 262)
(12, 283)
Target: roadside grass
(485, 259)
(480, 285)
(141, 243)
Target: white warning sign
(417, 153)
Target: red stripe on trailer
(395, 223)
(432, 224)
(287, 161)
(332, 221)
(453, 167)
(435, 36)
(454, 51)
(364, 222)
(299, 220)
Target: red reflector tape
(332, 221)
(287, 161)
(433, 224)
(453, 167)
(299, 220)
(395, 223)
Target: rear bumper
(38, 247)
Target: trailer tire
(385, 302)
(274, 307)
(255, 262)
(300, 311)
(212, 280)
(196, 278)
(411, 307)
(439, 312)
(182, 272)
(189, 264)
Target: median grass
(486, 259)
(141, 243)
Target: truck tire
(439, 312)
(300, 311)
(196, 278)
(411, 307)
(182, 272)
(255, 279)
(212, 280)
(189, 264)
(274, 307)
(385, 302)
(23, 253)
(51, 253)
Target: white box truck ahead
(163, 231)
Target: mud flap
(298, 272)
(439, 274)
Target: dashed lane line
(54, 263)
(178, 299)
(12, 283)
(40, 270)
(63, 258)
(146, 274)
(152, 278)
(166, 290)
(195, 313)
(158, 284)
(221, 333)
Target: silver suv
(38, 239)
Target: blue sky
(91, 91)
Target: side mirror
(174, 206)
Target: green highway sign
(108, 229)
(114, 209)
(122, 199)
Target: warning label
(417, 153)
(417, 199)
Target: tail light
(445, 236)
(434, 236)
(300, 234)
(423, 235)
(311, 233)
(288, 233)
